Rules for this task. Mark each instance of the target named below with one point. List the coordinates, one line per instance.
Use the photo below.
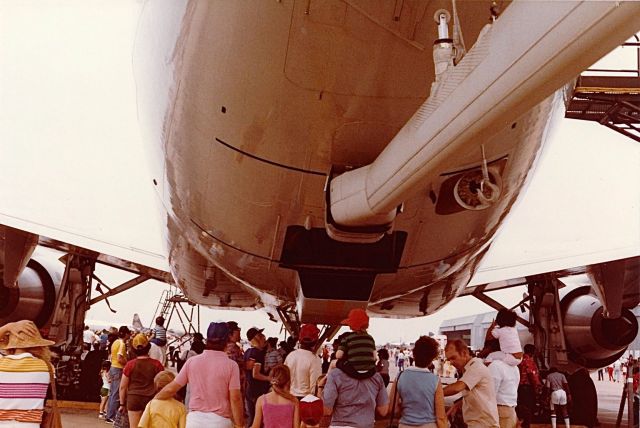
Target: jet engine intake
(33, 298)
(593, 340)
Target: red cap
(309, 333)
(357, 320)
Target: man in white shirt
(506, 379)
(88, 337)
(479, 408)
(305, 366)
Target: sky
(72, 161)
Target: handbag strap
(52, 382)
(393, 401)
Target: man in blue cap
(214, 384)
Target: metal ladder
(609, 97)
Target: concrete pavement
(609, 394)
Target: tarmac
(609, 394)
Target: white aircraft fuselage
(254, 108)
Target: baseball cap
(253, 332)
(309, 333)
(140, 341)
(218, 331)
(357, 319)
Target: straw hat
(23, 341)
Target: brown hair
(425, 350)
(280, 379)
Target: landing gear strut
(291, 322)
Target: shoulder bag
(51, 414)
(393, 404)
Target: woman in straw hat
(24, 374)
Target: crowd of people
(296, 383)
(616, 372)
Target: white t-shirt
(88, 336)
(156, 352)
(506, 379)
(306, 368)
(508, 338)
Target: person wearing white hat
(24, 375)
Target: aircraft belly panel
(260, 113)
(337, 49)
(247, 153)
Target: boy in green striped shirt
(357, 351)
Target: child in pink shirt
(278, 408)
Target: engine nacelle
(34, 297)
(594, 341)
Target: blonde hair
(163, 379)
(280, 378)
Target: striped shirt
(24, 380)
(272, 359)
(359, 348)
(159, 332)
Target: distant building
(473, 329)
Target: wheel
(584, 409)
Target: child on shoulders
(356, 354)
(159, 332)
(504, 329)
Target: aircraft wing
(124, 257)
(494, 278)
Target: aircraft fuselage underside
(254, 123)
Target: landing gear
(291, 323)
(584, 410)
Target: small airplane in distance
(314, 157)
(137, 323)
